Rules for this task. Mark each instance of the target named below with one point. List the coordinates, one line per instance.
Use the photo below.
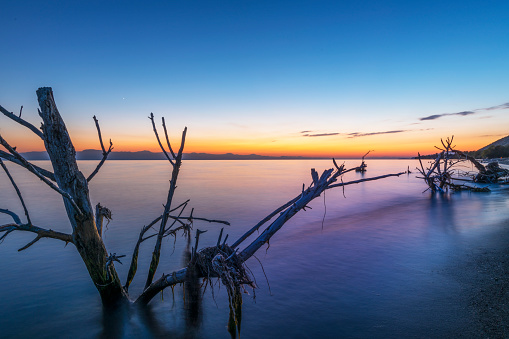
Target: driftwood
(362, 167)
(223, 261)
(439, 176)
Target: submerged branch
(365, 179)
(320, 183)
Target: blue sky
(250, 76)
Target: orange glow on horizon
(390, 145)
(347, 150)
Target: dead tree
(362, 167)
(223, 261)
(439, 176)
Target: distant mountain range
(92, 154)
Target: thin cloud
(358, 135)
(465, 113)
(503, 106)
(492, 135)
(321, 134)
(437, 116)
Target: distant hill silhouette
(497, 149)
(92, 154)
(500, 142)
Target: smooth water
(366, 262)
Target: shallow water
(373, 268)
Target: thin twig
(29, 167)
(41, 233)
(167, 139)
(17, 190)
(105, 153)
(41, 170)
(151, 117)
(13, 215)
(22, 122)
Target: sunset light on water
(247, 211)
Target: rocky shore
(503, 161)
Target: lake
(372, 261)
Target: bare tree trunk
(222, 261)
(79, 208)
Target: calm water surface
(373, 268)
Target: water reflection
(131, 321)
(193, 299)
(379, 256)
(114, 320)
(441, 211)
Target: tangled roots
(223, 262)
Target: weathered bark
(439, 176)
(220, 261)
(320, 184)
(70, 179)
(176, 163)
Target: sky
(309, 78)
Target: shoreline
(483, 273)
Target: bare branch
(101, 212)
(37, 238)
(17, 190)
(201, 219)
(263, 221)
(22, 122)
(157, 286)
(367, 154)
(134, 260)
(99, 133)
(168, 140)
(476, 163)
(340, 170)
(29, 167)
(13, 215)
(325, 181)
(365, 179)
(151, 117)
(173, 186)
(319, 185)
(182, 142)
(41, 170)
(41, 233)
(105, 153)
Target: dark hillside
(500, 142)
